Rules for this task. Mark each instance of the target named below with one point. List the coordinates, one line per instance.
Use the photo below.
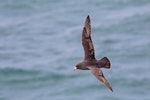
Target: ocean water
(40, 42)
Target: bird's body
(84, 64)
(90, 62)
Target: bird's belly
(85, 69)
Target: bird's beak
(74, 68)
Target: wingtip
(88, 17)
(111, 89)
(109, 86)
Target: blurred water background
(40, 42)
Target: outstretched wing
(86, 40)
(99, 75)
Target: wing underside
(99, 75)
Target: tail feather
(104, 63)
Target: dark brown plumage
(90, 62)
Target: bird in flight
(90, 62)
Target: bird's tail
(104, 63)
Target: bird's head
(81, 66)
(76, 67)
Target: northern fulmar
(90, 62)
